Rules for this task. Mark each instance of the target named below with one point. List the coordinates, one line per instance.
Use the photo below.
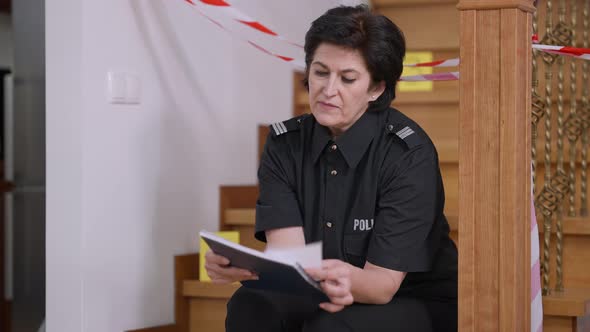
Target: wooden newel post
(495, 165)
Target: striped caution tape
(450, 76)
(576, 52)
(239, 16)
(440, 63)
(296, 63)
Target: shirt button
(334, 147)
(329, 224)
(334, 172)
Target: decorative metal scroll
(562, 123)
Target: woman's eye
(321, 73)
(348, 80)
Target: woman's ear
(377, 90)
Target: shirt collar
(352, 144)
(321, 137)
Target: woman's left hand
(335, 281)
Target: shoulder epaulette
(405, 133)
(283, 127)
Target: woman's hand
(335, 281)
(221, 272)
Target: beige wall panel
(441, 122)
(433, 27)
(443, 93)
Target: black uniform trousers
(262, 311)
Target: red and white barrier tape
(239, 16)
(297, 64)
(450, 76)
(576, 52)
(439, 63)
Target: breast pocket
(355, 248)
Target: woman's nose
(331, 87)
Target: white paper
(308, 256)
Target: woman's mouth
(327, 105)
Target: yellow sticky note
(416, 57)
(232, 236)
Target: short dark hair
(380, 42)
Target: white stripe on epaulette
(282, 126)
(407, 131)
(277, 129)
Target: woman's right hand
(221, 272)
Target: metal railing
(557, 127)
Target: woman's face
(340, 87)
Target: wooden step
(576, 255)
(207, 304)
(240, 217)
(235, 197)
(196, 288)
(573, 302)
(567, 311)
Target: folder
(275, 273)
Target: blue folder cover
(273, 275)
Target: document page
(308, 256)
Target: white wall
(6, 58)
(64, 152)
(129, 187)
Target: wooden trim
(185, 267)
(524, 5)
(163, 328)
(570, 302)
(235, 197)
(571, 226)
(494, 170)
(263, 131)
(240, 217)
(196, 288)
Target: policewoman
(364, 179)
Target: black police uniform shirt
(373, 194)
